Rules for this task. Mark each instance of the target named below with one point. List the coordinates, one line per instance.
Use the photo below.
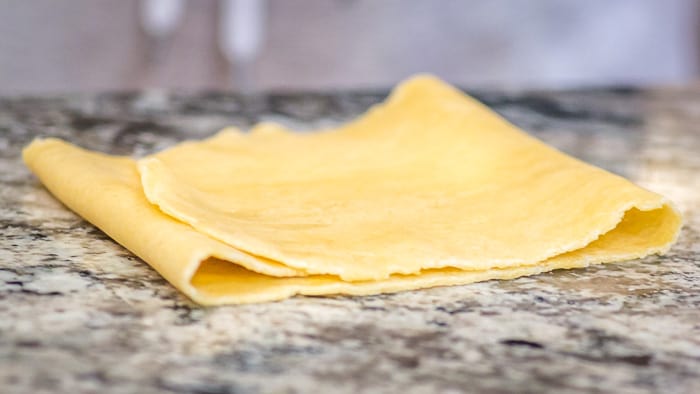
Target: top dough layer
(429, 179)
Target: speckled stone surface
(78, 313)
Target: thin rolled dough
(430, 188)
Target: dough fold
(430, 188)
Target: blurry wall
(89, 45)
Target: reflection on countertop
(80, 313)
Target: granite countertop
(78, 313)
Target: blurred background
(249, 45)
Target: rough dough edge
(430, 278)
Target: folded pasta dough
(430, 188)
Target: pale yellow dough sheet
(430, 188)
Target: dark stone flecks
(79, 313)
